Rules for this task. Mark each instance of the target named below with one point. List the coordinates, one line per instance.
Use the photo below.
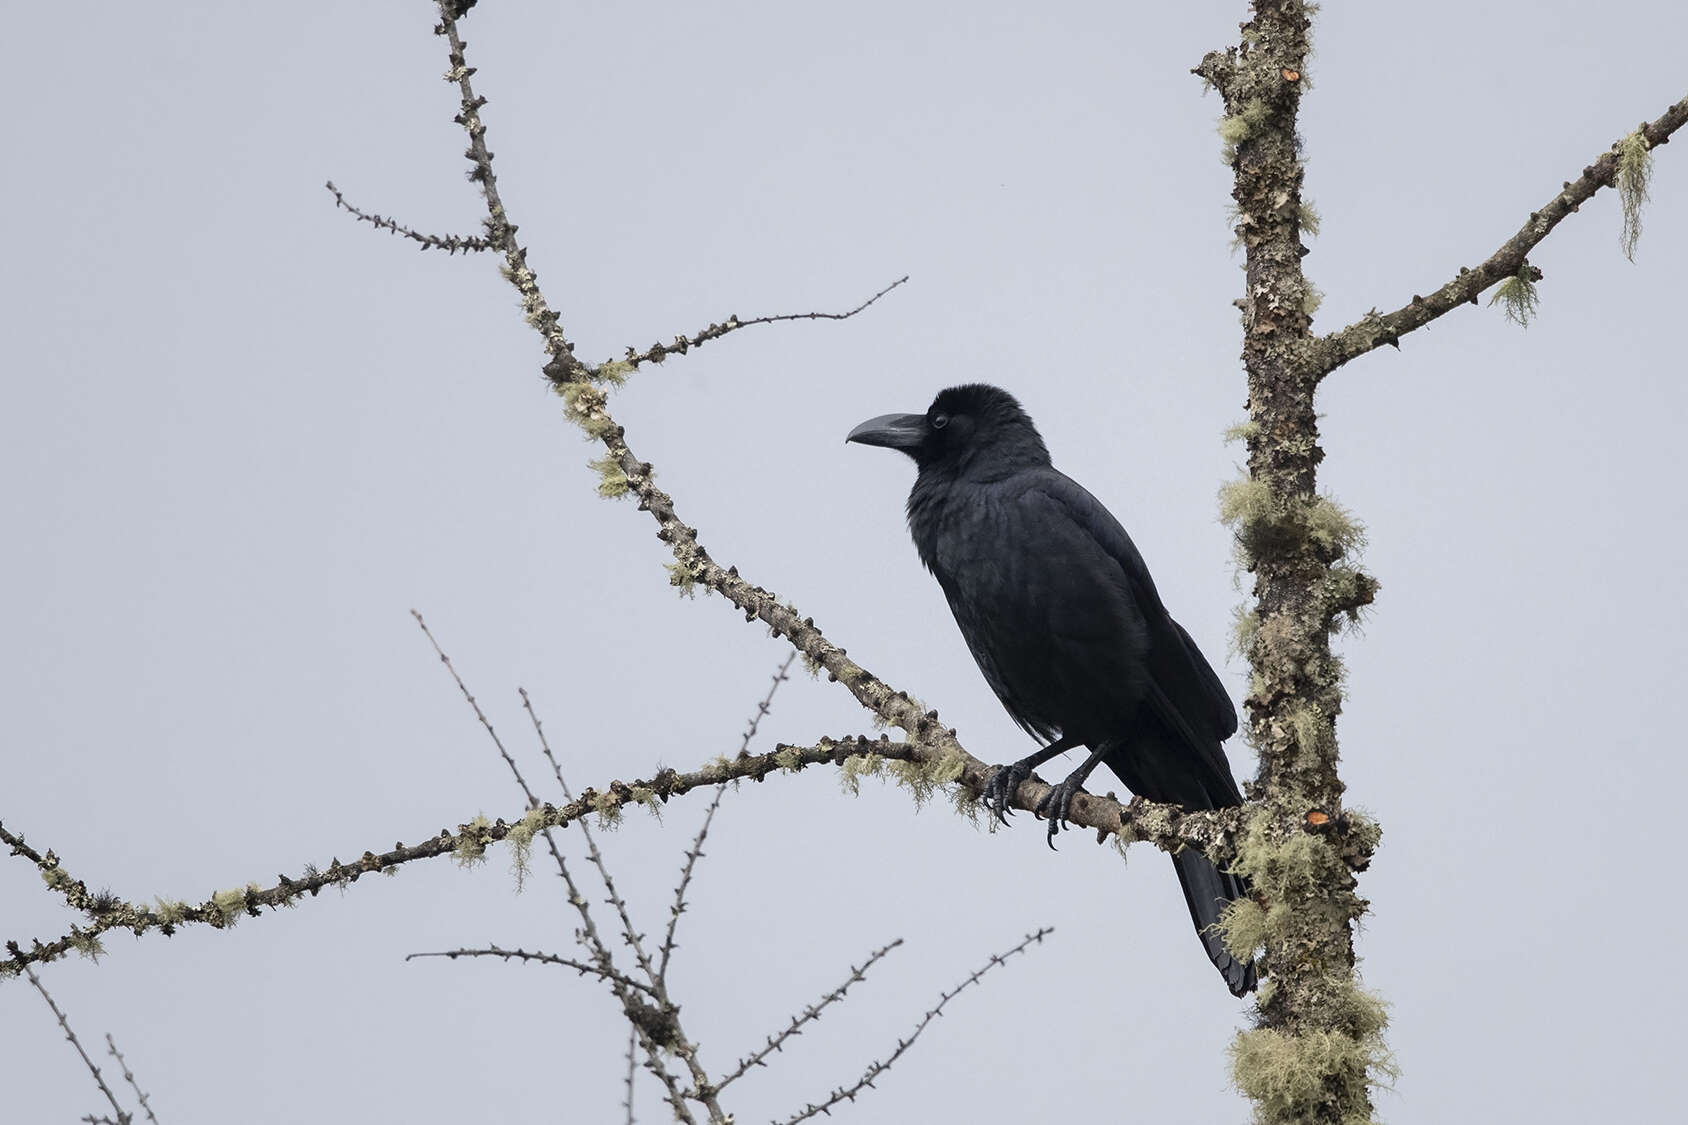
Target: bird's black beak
(893, 431)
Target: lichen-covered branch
(1166, 826)
(1319, 1036)
(584, 391)
(1622, 167)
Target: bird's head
(964, 426)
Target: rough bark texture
(1318, 1037)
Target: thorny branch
(450, 243)
(695, 852)
(656, 353)
(1166, 826)
(933, 746)
(129, 1077)
(880, 1066)
(1329, 352)
(656, 1024)
(809, 1014)
(536, 957)
(123, 1115)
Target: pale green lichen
(1517, 296)
(1236, 128)
(1308, 219)
(608, 808)
(922, 779)
(231, 904)
(613, 371)
(789, 758)
(1245, 626)
(471, 845)
(1287, 1075)
(612, 482)
(1311, 298)
(1635, 173)
(857, 766)
(88, 945)
(520, 838)
(1242, 431)
(1244, 503)
(1348, 593)
(1333, 528)
(170, 911)
(680, 576)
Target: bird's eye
(939, 421)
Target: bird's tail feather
(1207, 889)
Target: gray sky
(245, 435)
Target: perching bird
(1059, 611)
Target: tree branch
(450, 243)
(656, 353)
(1166, 826)
(536, 957)
(123, 1115)
(880, 1066)
(809, 1014)
(1329, 352)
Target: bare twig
(629, 933)
(486, 723)
(1327, 353)
(656, 353)
(123, 1115)
(129, 1077)
(632, 1068)
(880, 1066)
(695, 852)
(809, 1014)
(450, 243)
(626, 989)
(582, 967)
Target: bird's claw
(1057, 803)
(1000, 790)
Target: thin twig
(695, 852)
(633, 938)
(880, 1066)
(450, 243)
(1375, 329)
(123, 1115)
(603, 961)
(632, 1068)
(129, 1077)
(502, 232)
(656, 353)
(809, 1014)
(582, 967)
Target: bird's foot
(1058, 802)
(1004, 783)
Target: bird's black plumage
(1059, 610)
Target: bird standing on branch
(1059, 611)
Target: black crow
(1059, 611)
